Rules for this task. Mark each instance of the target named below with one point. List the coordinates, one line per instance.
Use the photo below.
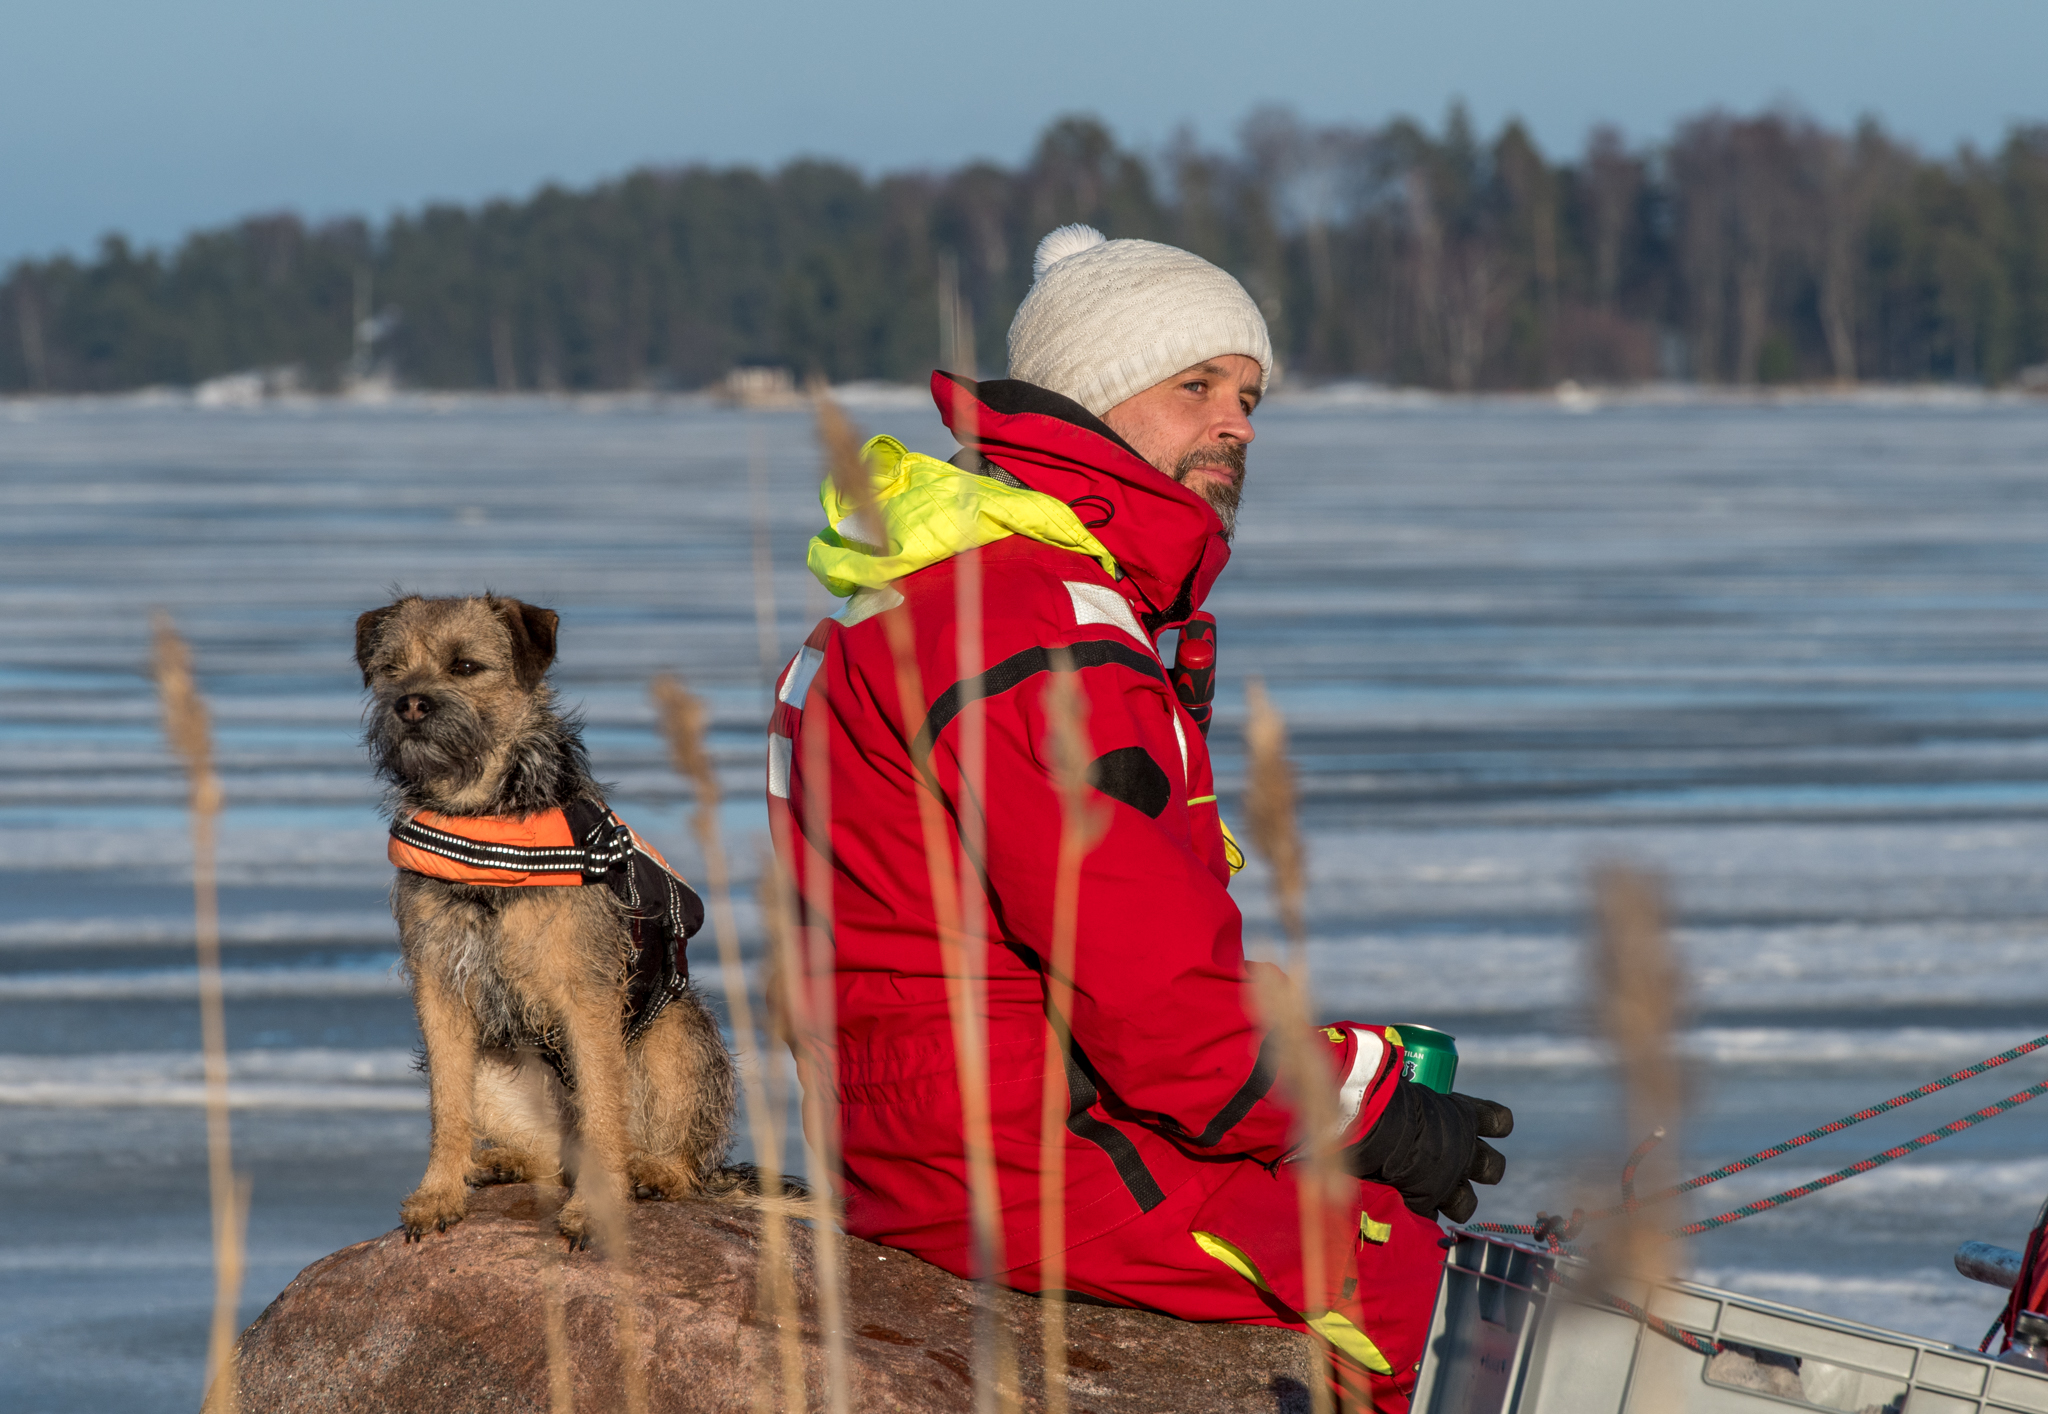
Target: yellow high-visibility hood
(930, 511)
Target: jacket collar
(1165, 538)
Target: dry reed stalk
(957, 350)
(1282, 998)
(1270, 811)
(561, 1383)
(683, 719)
(973, 826)
(970, 1043)
(191, 737)
(1637, 988)
(1082, 822)
(819, 1020)
(614, 1238)
(784, 1006)
(616, 1241)
(765, 621)
(995, 1382)
(775, 913)
(956, 353)
(807, 999)
(841, 443)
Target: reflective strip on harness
(535, 851)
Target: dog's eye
(390, 670)
(465, 668)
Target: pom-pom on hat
(1106, 319)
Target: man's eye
(465, 668)
(1197, 386)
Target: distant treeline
(1764, 249)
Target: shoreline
(244, 393)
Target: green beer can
(1429, 1057)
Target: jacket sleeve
(1162, 1019)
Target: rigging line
(1548, 1230)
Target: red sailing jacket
(1172, 1079)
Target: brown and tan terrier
(563, 1040)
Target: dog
(543, 939)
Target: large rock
(457, 1323)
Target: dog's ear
(366, 636)
(533, 639)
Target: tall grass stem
(818, 1061)
(1638, 990)
(1272, 819)
(1082, 822)
(993, 1367)
(684, 722)
(190, 735)
(766, 624)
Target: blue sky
(153, 119)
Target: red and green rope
(1556, 1230)
(1879, 1160)
(1551, 1229)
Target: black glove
(1432, 1148)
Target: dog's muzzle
(413, 707)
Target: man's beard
(1222, 496)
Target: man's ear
(367, 627)
(533, 639)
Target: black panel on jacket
(1133, 777)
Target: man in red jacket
(911, 786)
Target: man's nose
(413, 707)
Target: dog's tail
(744, 1184)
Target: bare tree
(1699, 163)
(1614, 186)
(1426, 257)
(28, 319)
(1530, 189)
(1764, 205)
(1848, 177)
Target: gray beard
(1222, 496)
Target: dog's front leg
(450, 1029)
(597, 1058)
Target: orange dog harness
(580, 844)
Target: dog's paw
(576, 1225)
(495, 1168)
(431, 1211)
(660, 1179)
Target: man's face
(1195, 427)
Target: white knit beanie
(1106, 319)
